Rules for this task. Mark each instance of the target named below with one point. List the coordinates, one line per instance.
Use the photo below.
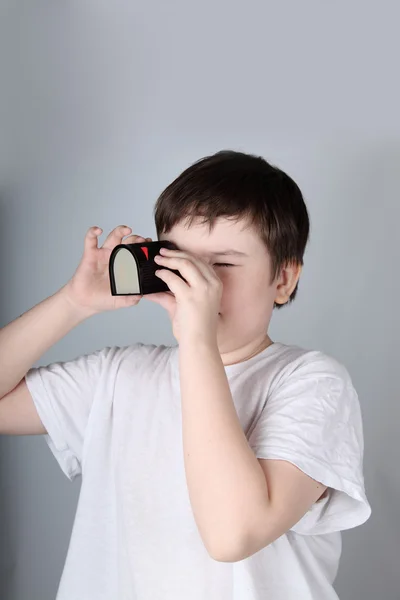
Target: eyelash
(224, 264)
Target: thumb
(164, 299)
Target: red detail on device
(146, 251)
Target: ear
(286, 282)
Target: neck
(247, 352)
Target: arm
(22, 343)
(240, 503)
(27, 338)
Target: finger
(115, 237)
(188, 269)
(90, 242)
(133, 239)
(203, 267)
(193, 270)
(177, 286)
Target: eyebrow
(228, 252)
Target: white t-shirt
(114, 417)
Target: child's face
(248, 297)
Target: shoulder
(146, 354)
(315, 389)
(301, 364)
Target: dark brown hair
(239, 186)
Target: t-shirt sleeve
(312, 419)
(63, 394)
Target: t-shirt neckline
(236, 367)
(240, 366)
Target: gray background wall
(102, 104)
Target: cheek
(236, 293)
(244, 291)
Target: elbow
(239, 547)
(230, 549)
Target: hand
(89, 289)
(193, 304)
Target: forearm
(27, 338)
(225, 481)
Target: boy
(223, 468)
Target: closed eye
(224, 265)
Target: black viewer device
(132, 269)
